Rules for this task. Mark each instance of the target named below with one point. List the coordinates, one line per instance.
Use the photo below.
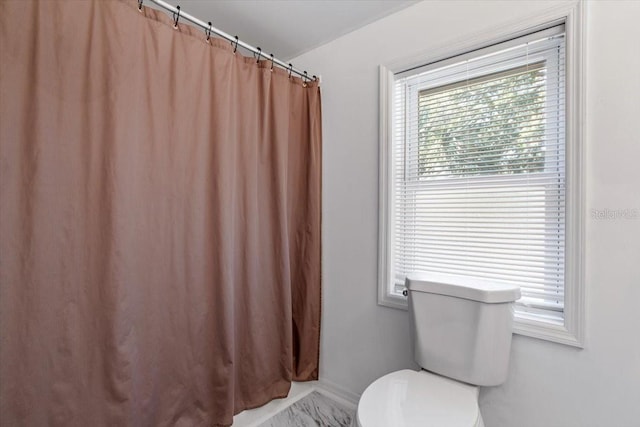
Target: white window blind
(479, 169)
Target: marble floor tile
(313, 410)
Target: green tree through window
(489, 125)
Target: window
(475, 177)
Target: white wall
(549, 384)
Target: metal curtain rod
(179, 14)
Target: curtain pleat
(159, 220)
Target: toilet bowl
(418, 399)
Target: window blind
(479, 170)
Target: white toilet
(462, 339)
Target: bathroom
(585, 373)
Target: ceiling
(288, 28)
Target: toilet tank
(462, 326)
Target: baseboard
(337, 393)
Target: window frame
(571, 15)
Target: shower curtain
(159, 220)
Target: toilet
(461, 331)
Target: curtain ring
(290, 69)
(140, 5)
(259, 55)
(176, 16)
(272, 62)
(304, 82)
(236, 46)
(315, 78)
(208, 32)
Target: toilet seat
(418, 399)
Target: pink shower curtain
(159, 220)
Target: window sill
(544, 331)
(522, 326)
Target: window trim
(572, 332)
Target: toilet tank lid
(482, 290)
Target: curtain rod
(178, 14)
